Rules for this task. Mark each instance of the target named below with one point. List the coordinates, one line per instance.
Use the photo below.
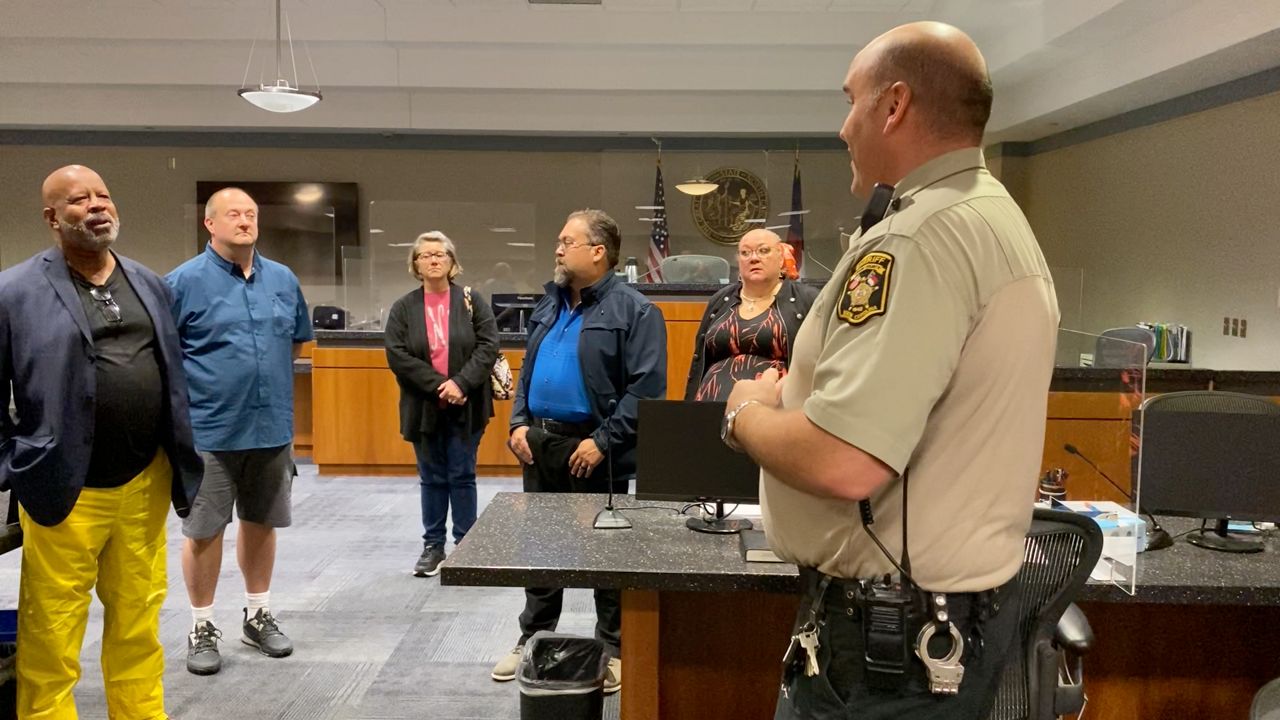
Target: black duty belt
(577, 430)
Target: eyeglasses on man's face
(435, 255)
(106, 305)
(760, 252)
(567, 245)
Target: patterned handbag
(500, 377)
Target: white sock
(256, 601)
(201, 614)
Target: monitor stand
(1220, 539)
(719, 525)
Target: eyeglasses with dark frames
(106, 305)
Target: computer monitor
(1214, 456)
(680, 457)
(512, 310)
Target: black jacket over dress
(622, 351)
(473, 348)
(793, 302)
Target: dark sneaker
(262, 632)
(202, 649)
(428, 564)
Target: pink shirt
(436, 308)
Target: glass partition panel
(1094, 433)
(498, 246)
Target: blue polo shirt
(556, 390)
(237, 338)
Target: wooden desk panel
(682, 319)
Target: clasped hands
(581, 463)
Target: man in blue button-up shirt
(242, 320)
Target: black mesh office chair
(1209, 401)
(1061, 549)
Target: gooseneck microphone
(1158, 538)
(609, 518)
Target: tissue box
(1115, 519)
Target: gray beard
(83, 238)
(562, 276)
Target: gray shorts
(257, 482)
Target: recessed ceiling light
(309, 193)
(776, 227)
(408, 244)
(521, 244)
(502, 229)
(375, 231)
(651, 207)
(793, 212)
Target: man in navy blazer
(100, 446)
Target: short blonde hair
(434, 236)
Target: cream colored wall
(1175, 222)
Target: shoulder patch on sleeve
(866, 291)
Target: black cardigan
(794, 301)
(473, 348)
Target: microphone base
(720, 526)
(611, 519)
(1158, 539)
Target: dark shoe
(428, 564)
(202, 649)
(262, 632)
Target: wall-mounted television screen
(304, 225)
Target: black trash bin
(562, 678)
(8, 659)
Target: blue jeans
(447, 468)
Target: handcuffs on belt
(887, 612)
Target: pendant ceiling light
(696, 186)
(282, 97)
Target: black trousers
(550, 473)
(840, 690)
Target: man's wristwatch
(726, 424)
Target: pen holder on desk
(1053, 486)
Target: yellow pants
(115, 539)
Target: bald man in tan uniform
(930, 350)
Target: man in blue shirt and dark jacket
(596, 348)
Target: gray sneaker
(202, 649)
(262, 632)
(428, 564)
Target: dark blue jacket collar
(590, 295)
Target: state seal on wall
(721, 215)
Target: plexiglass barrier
(1096, 434)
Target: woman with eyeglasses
(748, 326)
(442, 342)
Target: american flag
(795, 233)
(659, 238)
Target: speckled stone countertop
(1188, 575)
(542, 539)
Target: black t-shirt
(130, 393)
